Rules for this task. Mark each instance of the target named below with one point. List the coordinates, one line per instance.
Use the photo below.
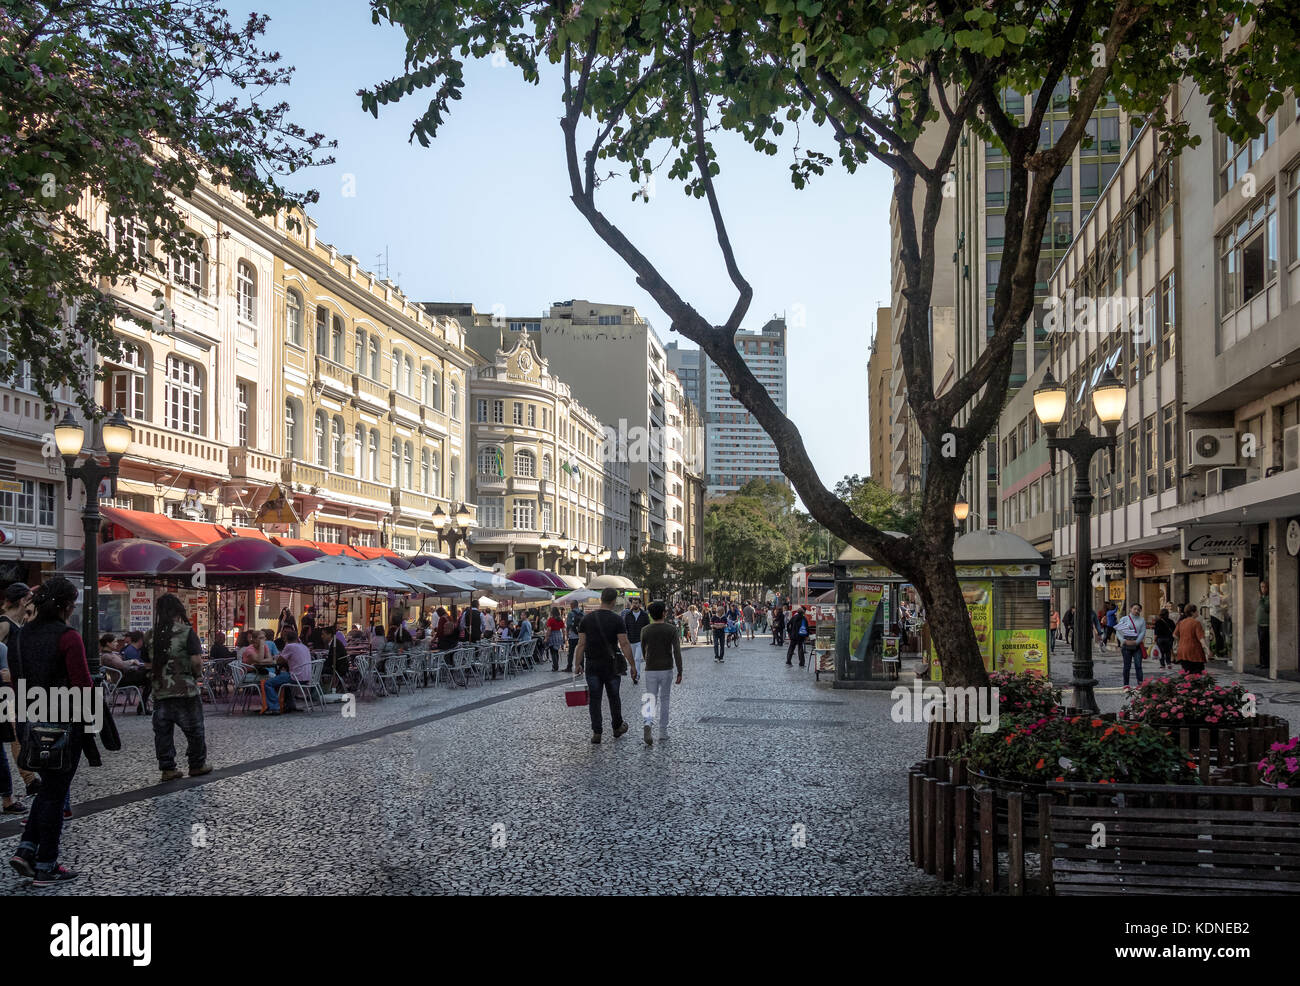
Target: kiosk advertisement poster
(1022, 650)
(979, 606)
(196, 605)
(864, 600)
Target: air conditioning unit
(1229, 477)
(1291, 448)
(1212, 447)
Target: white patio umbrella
(580, 596)
(485, 602)
(423, 578)
(340, 570)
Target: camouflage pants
(188, 714)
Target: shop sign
(1143, 560)
(1293, 538)
(140, 615)
(6, 536)
(1116, 592)
(1214, 542)
(1045, 589)
(1115, 571)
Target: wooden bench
(1166, 850)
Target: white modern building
(737, 449)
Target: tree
(745, 546)
(878, 506)
(664, 576)
(132, 103)
(640, 77)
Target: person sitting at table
(270, 644)
(399, 635)
(356, 635)
(294, 665)
(257, 655)
(132, 649)
(376, 638)
(134, 672)
(220, 652)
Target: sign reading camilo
(930, 703)
(102, 940)
(1214, 542)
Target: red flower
(1039, 765)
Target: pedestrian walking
(15, 607)
(748, 613)
(1131, 631)
(1164, 634)
(778, 627)
(177, 661)
(693, 624)
(50, 654)
(661, 651)
(573, 621)
(602, 641)
(634, 621)
(718, 624)
(1097, 631)
(555, 636)
(797, 627)
(1055, 624)
(1112, 618)
(1067, 621)
(1189, 641)
(9, 805)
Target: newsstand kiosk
(867, 630)
(1007, 585)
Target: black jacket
(635, 622)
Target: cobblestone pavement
(771, 783)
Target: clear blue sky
(483, 216)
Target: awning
(368, 553)
(249, 532)
(1252, 503)
(157, 527)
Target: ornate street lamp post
(452, 530)
(1108, 400)
(114, 438)
(621, 555)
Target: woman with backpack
(48, 654)
(177, 662)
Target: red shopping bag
(575, 693)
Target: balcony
(412, 504)
(254, 467)
(361, 489)
(406, 408)
(370, 392)
(334, 377)
(176, 449)
(490, 482)
(294, 472)
(434, 420)
(493, 535)
(523, 484)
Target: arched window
(127, 383)
(408, 461)
(374, 455)
(426, 388)
(246, 292)
(183, 396)
(408, 381)
(525, 464)
(293, 317)
(547, 467)
(397, 463)
(293, 429)
(322, 457)
(336, 339)
(359, 452)
(322, 331)
(395, 381)
(336, 442)
(453, 493)
(190, 272)
(436, 488)
(453, 392)
(359, 351)
(425, 478)
(491, 462)
(435, 395)
(374, 358)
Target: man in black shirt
(602, 642)
(635, 620)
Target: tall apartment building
(737, 449)
(880, 392)
(538, 463)
(1204, 500)
(688, 365)
(979, 225)
(615, 364)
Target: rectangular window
(1169, 436)
(241, 412)
(183, 397)
(45, 505)
(517, 413)
(491, 512)
(1293, 211)
(1131, 466)
(1150, 456)
(1108, 127)
(27, 503)
(499, 412)
(1248, 260)
(995, 185)
(524, 513)
(1168, 320)
(532, 415)
(482, 409)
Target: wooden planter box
(1221, 836)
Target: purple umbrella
(130, 558)
(537, 579)
(245, 561)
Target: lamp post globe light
(1108, 400)
(114, 439)
(453, 529)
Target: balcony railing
(408, 501)
(523, 484)
(295, 472)
(482, 534)
(335, 377)
(177, 448)
(370, 391)
(352, 486)
(406, 407)
(257, 467)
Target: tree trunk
(950, 627)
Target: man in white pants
(661, 649)
(635, 620)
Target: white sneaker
(662, 736)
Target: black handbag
(48, 746)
